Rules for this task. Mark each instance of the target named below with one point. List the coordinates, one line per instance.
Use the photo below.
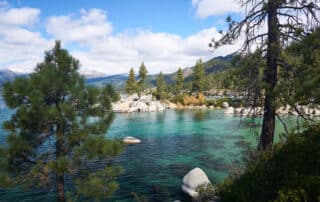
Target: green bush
(207, 192)
(178, 98)
(236, 103)
(210, 102)
(218, 102)
(291, 172)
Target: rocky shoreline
(135, 103)
(303, 110)
(146, 103)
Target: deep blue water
(173, 142)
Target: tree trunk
(268, 125)
(60, 176)
(60, 188)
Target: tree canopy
(53, 104)
(131, 84)
(161, 86)
(286, 22)
(179, 84)
(142, 77)
(199, 77)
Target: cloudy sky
(113, 36)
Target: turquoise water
(173, 142)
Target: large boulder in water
(193, 179)
(131, 140)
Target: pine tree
(53, 103)
(286, 22)
(199, 77)
(301, 84)
(131, 85)
(143, 76)
(161, 86)
(179, 81)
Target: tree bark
(268, 125)
(60, 176)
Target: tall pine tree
(142, 77)
(54, 104)
(131, 84)
(286, 21)
(161, 86)
(179, 81)
(199, 77)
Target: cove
(173, 142)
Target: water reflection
(199, 115)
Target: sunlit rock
(225, 104)
(121, 107)
(229, 110)
(131, 140)
(194, 178)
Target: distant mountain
(117, 80)
(211, 66)
(8, 75)
(214, 65)
(90, 74)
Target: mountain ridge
(211, 66)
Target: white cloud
(20, 47)
(205, 8)
(101, 50)
(117, 53)
(18, 16)
(159, 51)
(92, 24)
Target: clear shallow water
(173, 142)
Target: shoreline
(146, 103)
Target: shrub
(291, 172)
(210, 102)
(218, 102)
(177, 98)
(192, 100)
(207, 192)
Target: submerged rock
(131, 140)
(194, 178)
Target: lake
(173, 142)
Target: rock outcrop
(134, 103)
(194, 178)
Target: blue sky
(113, 36)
